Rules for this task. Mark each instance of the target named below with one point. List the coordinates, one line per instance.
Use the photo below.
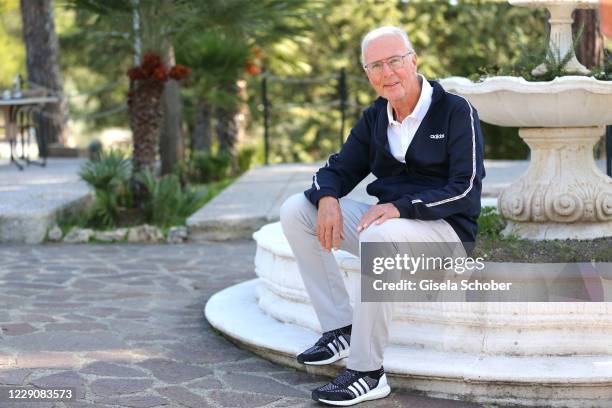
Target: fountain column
(563, 194)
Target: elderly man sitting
(425, 147)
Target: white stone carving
(563, 194)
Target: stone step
(32, 199)
(552, 381)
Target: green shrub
(109, 177)
(204, 167)
(490, 223)
(166, 202)
(245, 158)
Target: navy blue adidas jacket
(443, 173)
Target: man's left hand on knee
(378, 214)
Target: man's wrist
(325, 199)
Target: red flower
(160, 74)
(252, 68)
(179, 72)
(150, 63)
(135, 73)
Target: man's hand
(378, 214)
(329, 223)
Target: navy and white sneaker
(352, 387)
(331, 347)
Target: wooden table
(12, 107)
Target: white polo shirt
(401, 134)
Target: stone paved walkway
(123, 324)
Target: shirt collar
(420, 108)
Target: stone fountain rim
(345, 259)
(521, 85)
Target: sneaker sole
(369, 396)
(336, 357)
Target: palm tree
(221, 58)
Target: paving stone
(75, 327)
(37, 318)
(65, 341)
(59, 279)
(105, 369)
(14, 376)
(65, 379)
(101, 311)
(204, 354)
(17, 329)
(85, 404)
(264, 385)
(209, 383)
(296, 377)
(184, 397)
(23, 404)
(78, 317)
(173, 372)
(149, 337)
(110, 387)
(46, 359)
(28, 285)
(251, 366)
(145, 401)
(132, 314)
(299, 403)
(238, 399)
(60, 305)
(88, 284)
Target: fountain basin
(569, 101)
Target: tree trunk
(201, 139)
(145, 112)
(42, 61)
(171, 136)
(590, 49)
(227, 128)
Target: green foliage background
(298, 39)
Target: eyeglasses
(396, 62)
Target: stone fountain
(528, 354)
(563, 194)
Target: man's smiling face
(394, 85)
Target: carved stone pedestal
(563, 194)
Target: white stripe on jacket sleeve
(457, 197)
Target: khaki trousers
(323, 280)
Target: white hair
(379, 32)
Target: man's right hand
(329, 223)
